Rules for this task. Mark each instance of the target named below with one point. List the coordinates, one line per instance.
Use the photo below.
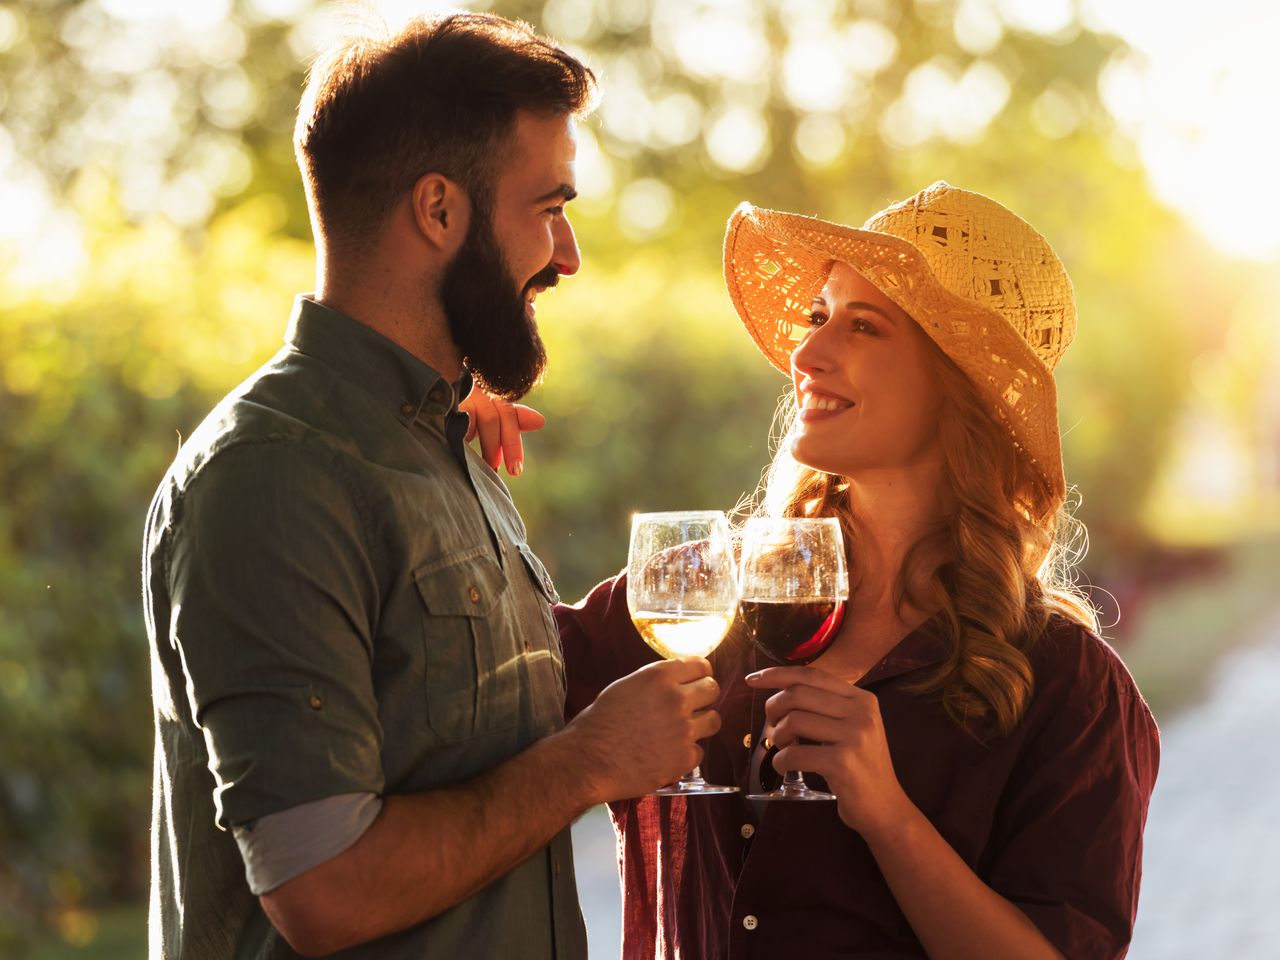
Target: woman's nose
(813, 354)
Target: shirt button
(315, 702)
(746, 741)
(750, 922)
(768, 744)
(474, 594)
(748, 831)
(407, 409)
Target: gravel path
(1211, 872)
(1211, 883)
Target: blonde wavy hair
(996, 567)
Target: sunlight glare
(1195, 97)
(737, 139)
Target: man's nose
(566, 257)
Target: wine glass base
(692, 788)
(786, 792)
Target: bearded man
(358, 682)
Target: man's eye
(555, 211)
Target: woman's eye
(817, 319)
(862, 326)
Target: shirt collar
(922, 647)
(410, 387)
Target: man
(358, 682)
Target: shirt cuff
(280, 846)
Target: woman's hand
(851, 751)
(499, 424)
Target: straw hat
(984, 285)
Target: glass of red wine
(793, 584)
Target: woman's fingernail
(754, 676)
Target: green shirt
(340, 599)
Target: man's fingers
(685, 669)
(703, 693)
(706, 723)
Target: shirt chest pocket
(472, 666)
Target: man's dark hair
(439, 96)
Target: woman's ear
(441, 211)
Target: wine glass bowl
(682, 593)
(794, 584)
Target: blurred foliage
(167, 137)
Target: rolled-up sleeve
(1068, 848)
(274, 599)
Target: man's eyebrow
(563, 191)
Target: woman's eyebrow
(863, 305)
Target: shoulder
(1068, 655)
(1082, 685)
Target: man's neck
(381, 301)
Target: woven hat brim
(776, 263)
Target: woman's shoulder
(1075, 666)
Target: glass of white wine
(682, 592)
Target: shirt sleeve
(1068, 847)
(280, 846)
(273, 600)
(600, 643)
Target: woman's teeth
(822, 403)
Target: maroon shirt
(1050, 816)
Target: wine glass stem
(693, 776)
(794, 780)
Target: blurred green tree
(163, 131)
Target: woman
(992, 757)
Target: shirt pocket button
(750, 922)
(474, 595)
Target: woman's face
(868, 401)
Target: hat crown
(983, 252)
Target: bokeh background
(153, 234)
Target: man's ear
(441, 210)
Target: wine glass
(682, 593)
(793, 585)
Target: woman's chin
(812, 455)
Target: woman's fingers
(843, 702)
(529, 418)
(810, 726)
(499, 424)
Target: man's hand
(641, 733)
(499, 424)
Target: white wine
(682, 635)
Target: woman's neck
(891, 514)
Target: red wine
(792, 631)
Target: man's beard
(487, 317)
